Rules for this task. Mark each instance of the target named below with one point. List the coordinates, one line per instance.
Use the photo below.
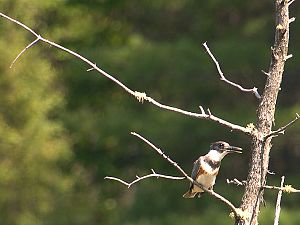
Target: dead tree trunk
(261, 143)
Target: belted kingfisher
(206, 167)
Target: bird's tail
(189, 194)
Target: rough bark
(265, 118)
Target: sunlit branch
(27, 47)
(281, 130)
(278, 202)
(140, 96)
(290, 2)
(287, 188)
(223, 78)
(153, 174)
(236, 182)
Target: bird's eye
(221, 145)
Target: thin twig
(281, 130)
(27, 47)
(201, 115)
(93, 65)
(236, 182)
(288, 57)
(278, 201)
(235, 210)
(223, 78)
(202, 110)
(292, 19)
(140, 96)
(153, 174)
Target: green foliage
(63, 129)
(35, 184)
(287, 215)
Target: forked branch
(153, 174)
(140, 96)
(23, 51)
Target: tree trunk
(265, 118)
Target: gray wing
(196, 168)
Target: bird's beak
(232, 149)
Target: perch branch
(153, 174)
(236, 211)
(140, 96)
(223, 78)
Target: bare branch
(223, 78)
(292, 19)
(286, 188)
(236, 182)
(161, 153)
(93, 65)
(27, 47)
(140, 96)
(143, 97)
(281, 130)
(202, 110)
(278, 201)
(20, 24)
(266, 73)
(153, 174)
(236, 211)
(209, 112)
(288, 57)
(270, 172)
(91, 69)
(290, 2)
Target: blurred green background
(62, 129)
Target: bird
(206, 168)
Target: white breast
(207, 180)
